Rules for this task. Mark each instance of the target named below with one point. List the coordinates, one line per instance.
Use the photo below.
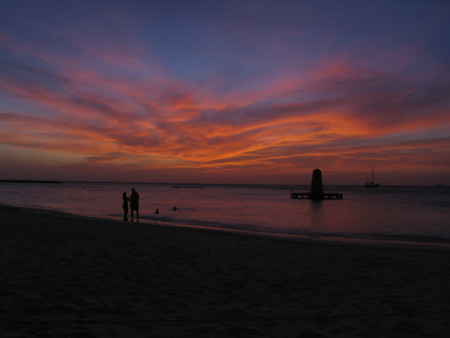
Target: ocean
(405, 213)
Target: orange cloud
(336, 114)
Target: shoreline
(384, 241)
(82, 277)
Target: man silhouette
(134, 204)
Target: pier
(316, 192)
(324, 196)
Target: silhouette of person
(134, 204)
(125, 206)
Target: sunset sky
(225, 91)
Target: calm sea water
(387, 212)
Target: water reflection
(316, 214)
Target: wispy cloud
(120, 103)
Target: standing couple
(134, 205)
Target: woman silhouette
(125, 206)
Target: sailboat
(371, 184)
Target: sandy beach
(69, 276)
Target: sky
(228, 91)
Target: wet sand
(69, 276)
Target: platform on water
(316, 192)
(325, 196)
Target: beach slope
(68, 276)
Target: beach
(70, 276)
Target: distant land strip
(30, 181)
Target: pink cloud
(338, 113)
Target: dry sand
(66, 276)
